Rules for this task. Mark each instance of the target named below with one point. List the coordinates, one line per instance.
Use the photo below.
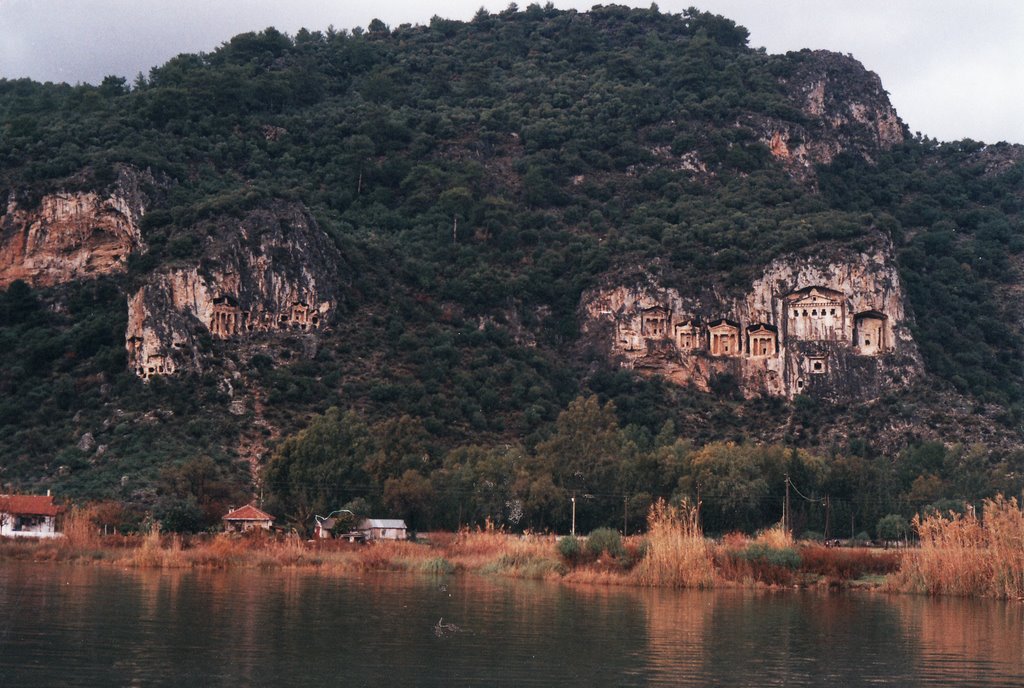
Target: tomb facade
(688, 336)
(227, 318)
(155, 365)
(299, 316)
(816, 314)
(654, 322)
(725, 338)
(869, 336)
(762, 341)
(628, 338)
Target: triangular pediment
(814, 296)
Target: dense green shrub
(605, 541)
(569, 548)
(783, 557)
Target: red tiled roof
(248, 513)
(29, 505)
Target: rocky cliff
(845, 109)
(71, 235)
(273, 271)
(833, 327)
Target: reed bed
(677, 554)
(836, 564)
(496, 552)
(962, 554)
(79, 529)
(959, 554)
(776, 537)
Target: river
(97, 626)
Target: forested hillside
(466, 183)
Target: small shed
(29, 516)
(322, 529)
(383, 529)
(247, 518)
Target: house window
(817, 365)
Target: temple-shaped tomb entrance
(154, 365)
(227, 319)
(762, 340)
(627, 337)
(816, 314)
(725, 338)
(654, 322)
(869, 336)
(688, 336)
(299, 317)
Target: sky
(953, 70)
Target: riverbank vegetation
(968, 554)
(961, 554)
(674, 553)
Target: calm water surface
(93, 626)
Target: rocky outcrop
(71, 235)
(844, 108)
(831, 328)
(274, 271)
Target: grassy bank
(972, 554)
(674, 553)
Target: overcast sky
(953, 69)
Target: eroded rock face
(846, 110)
(834, 329)
(274, 271)
(73, 235)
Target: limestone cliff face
(845, 110)
(274, 271)
(832, 328)
(73, 235)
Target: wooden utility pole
(785, 509)
(625, 517)
(828, 513)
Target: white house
(383, 529)
(247, 518)
(29, 516)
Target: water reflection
(989, 634)
(85, 626)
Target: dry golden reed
(677, 553)
(776, 537)
(79, 529)
(961, 554)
